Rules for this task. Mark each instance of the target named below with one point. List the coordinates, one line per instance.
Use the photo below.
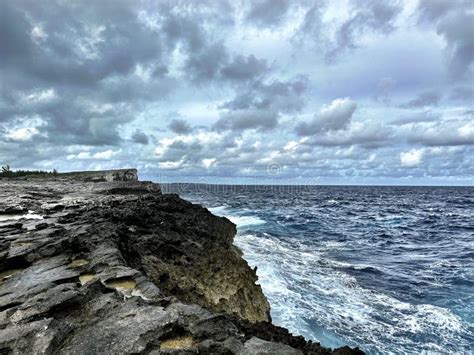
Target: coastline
(112, 254)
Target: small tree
(6, 169)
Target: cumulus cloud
(448, 133)
(333, 117)
(140, 137)
(78, 80)
(74, 57)
(367, 16)
(267, 13)
(100, 155)
(207, 163)
(366, 134)
(453, 21)
(411, 158)
(206, 64)
(244, 68)
(285, 96)
(180, 126)
(22, 134)
(195, 151)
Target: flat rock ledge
(99, 262)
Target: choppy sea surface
(387, 269)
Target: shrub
(8, 173)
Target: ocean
(387, 269)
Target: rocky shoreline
(99, 262)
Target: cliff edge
(98, 262)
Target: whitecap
(239, 220)
(219, 210)
(305, 289)
(244, 221)
(16, 217)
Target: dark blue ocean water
(388, 269)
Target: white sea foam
(313, 296)
(239, 220)
(219, 210)
(305, 288)
(243, 221)
(16, 217)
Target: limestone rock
(102, 263)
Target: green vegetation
(8, 173)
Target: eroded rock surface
(88, 266)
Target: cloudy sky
(317, 91)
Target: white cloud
(207, 163)
(411, 158)
(37, 96)
(467, 131)
(104, 155)
(170, 165)
(38, 33)
(23, 134)
(291, 145)
(446, 132)
(107, 154)
(333, 117)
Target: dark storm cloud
(140, 137)
(86, 55)
(14, 34)
(367, 16)
(267, 13)
(429, 98)
(180, 126)
(454, 21)
(312, 26)
(277, 95)
(244, 68)
(214, 63)
(260, 106)
(79, 77)
(104, 61)
(81, 45)
(206, 63)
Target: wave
(312, 296)
(387, 269)
(16, 217)
(239, 220)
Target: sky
(272, 91)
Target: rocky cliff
(103, 263)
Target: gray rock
(98, 262)
(256, 346)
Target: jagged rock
(90, 265)
(259, 346)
